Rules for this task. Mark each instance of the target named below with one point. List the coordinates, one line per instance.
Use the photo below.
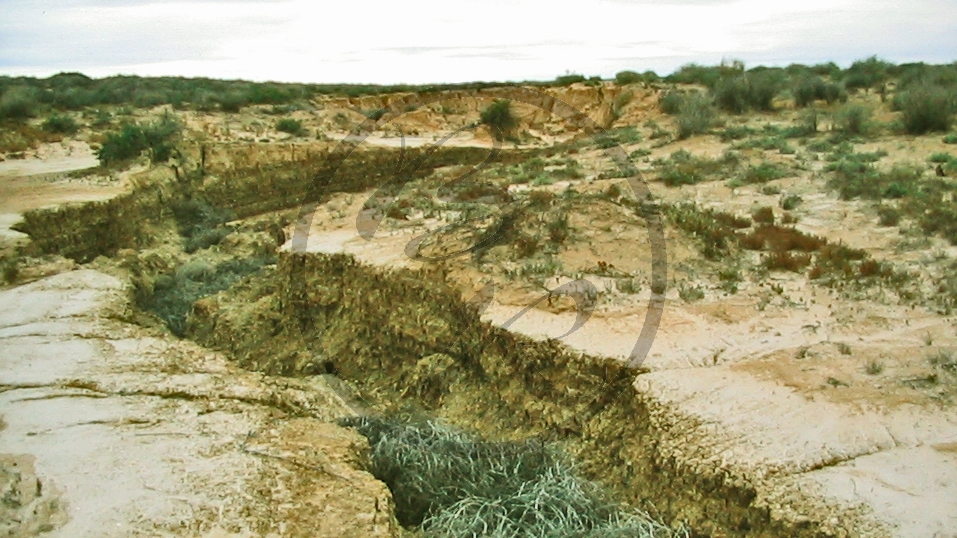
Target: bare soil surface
(113, 430)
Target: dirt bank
(332, 313)
(114, 430)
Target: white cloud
(438, 41)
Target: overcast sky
(420, 41)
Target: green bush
(452, 485)
(950, 139)
(790, 201)
(18, 103)
(291, 126)
(627, 77)
(868, 73)
(941, 157)
(132, 139)
(569, 79)
(888, 216)
(751, 91)
(733, 95)
(696, 116)
(853, 179)
(763, 173)
(232, 101)
(854, 119)
(671, 101)
(498, 116)
(60, 123)
(683, 168)
(809, 89)
(927, 108)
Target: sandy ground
(869, 444)
(110, 430)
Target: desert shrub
(671, 101)
(763, 173)
(18, 103)
(781, 238)
(683, 168)
(763, 215)
(696, 116)
(940, 157)
(558, 228)
(790, 201)
(808, 89)
(291, 126)
(926, 108)
(853, 179)
(713, 229)
(499, 117)
(751, 91)
(834, 93)
(854, 119)
(11, 271)
(232, 101)
(733, 95)
(950, 139)
(764, 86)
(736, 132)
(60, 123)
(785, 261)
(569, 79)
(451, 484)
(888, 216)
(620, 136)
(627, 77)
(868, 73)
(132, 139)
(171, 297)
(690, 294)
(705, 75)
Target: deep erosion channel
(405, 338)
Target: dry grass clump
(451, 484)
(683, 168)
(714, 229)
(781, 239)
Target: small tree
(627, 77)
(927, 108)
(291, 126)
(854, 119)
(695, 116)
(18, 103)
(498, 116)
